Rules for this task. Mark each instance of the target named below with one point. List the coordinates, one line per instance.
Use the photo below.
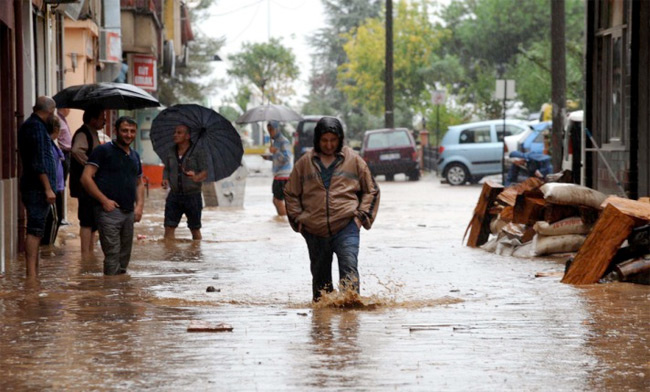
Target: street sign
(438, 97)
(503, 85)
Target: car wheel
(414, 175)
(457, 174)
(390, 177)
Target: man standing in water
(113, 178)
(185, 170)
(38, 179)
(329, 196)
(282, 158)
(85, 139)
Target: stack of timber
(534, 218)
(611, 235)
(602, 251)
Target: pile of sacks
(542, 220)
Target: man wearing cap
(282, 164)
(330, 194)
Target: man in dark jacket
(38, 179)
(84, 141)
(329, 196)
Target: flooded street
(441, 316)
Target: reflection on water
(432, 315)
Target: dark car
(303, 138)
(391, 151)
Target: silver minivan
(470, 151)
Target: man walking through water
(282, 158)
(113, 178)
(329, 196)
(85, 139)
(38, 180)
(185, 170)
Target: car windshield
(307, 133)
(388, 139)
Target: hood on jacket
(325, 125)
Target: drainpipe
(16, 168)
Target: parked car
(470, 151)
(303, 138)
(391, 151)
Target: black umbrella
(107, 95)
(267, 113)
(210, 131)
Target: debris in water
(142, 237)
(212, 289)
(205, 326)
(302, 314)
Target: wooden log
(479, 225)
(507, 214)
(634, 208)
(632, 267)
(509, 195)
(205, 326)
(528, 210)
(593, 258)
(557, 212)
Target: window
(476, 135)
(611, 61)
(389, 139)
(510, 130)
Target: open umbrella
(107, 95)
(210, 131)
(267, 113)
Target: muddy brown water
(435, 314)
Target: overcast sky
(240, 21)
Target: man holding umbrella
(185, 170)
(113, 178)
(282, 164)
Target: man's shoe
(64, 223)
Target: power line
(238, 9)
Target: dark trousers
(345, 244)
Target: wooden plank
(528, 210)
(205, 326)
(507, 214)
(557, 212)
(629, 207)
(593, 258)
(509, 195)
(479, 225)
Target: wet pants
(116, 238)
(345, 244)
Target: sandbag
(572, 194)
(505, 246)
(490, 246)
(496, 225)
(543, 245)
(526, 250)
(572, 225)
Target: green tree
(190, 84)
(513, 34)
(269, 65)
(415, 42)
(325, 97)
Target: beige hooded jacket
(353, 192)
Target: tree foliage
(415, 43)
(268, 65)
(324, 96)
(515, 35)
(191, 84)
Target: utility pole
(389, 105)
(558, 80)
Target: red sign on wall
(143, 71)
